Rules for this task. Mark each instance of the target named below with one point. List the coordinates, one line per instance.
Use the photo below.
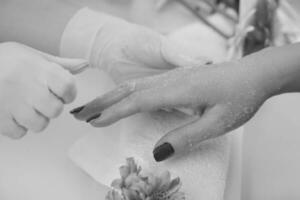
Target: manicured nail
(163, 152)
(76, 110)
(93, 117)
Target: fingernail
(163, 152)
(93, 117)
(76, 110)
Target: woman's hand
(34, 86)
(225, 96)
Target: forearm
(277, 70)
(37, 23)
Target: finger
(73, 65)
(143, 101)
(12, 129)
(188, 137)
(30, 119)
(123, 91)
(61, 83)
(47, 104)
(99, 104)
(159, 52)
(181, 55)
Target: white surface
(271, 159)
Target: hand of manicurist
(137, 52)
(122, 49)
(225, 95)
(34, 87)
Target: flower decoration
(134, 186)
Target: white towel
(203, 172)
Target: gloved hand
(124, 50)
(33, 88)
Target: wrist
(263, 74)
(275, 70)
(84, 29)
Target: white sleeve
(81, 31)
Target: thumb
(189, 136)
(73, 65)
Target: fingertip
(163, 151)
(72, 96)
(70, 90)
(56, 112)
(81, 113)
(16, 135)
(189, 136)
(42, 126)
(101, 122)
(77, 110)
(175, 142)
(94, 117)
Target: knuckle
(134, 102)
(31, 120)
(129, 86)
(24, 57)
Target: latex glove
(225, 95)
(124, 50)
(33, 88)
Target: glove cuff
(79, 36)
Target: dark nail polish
(163, 152)
(76, 110)
(93, 117)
